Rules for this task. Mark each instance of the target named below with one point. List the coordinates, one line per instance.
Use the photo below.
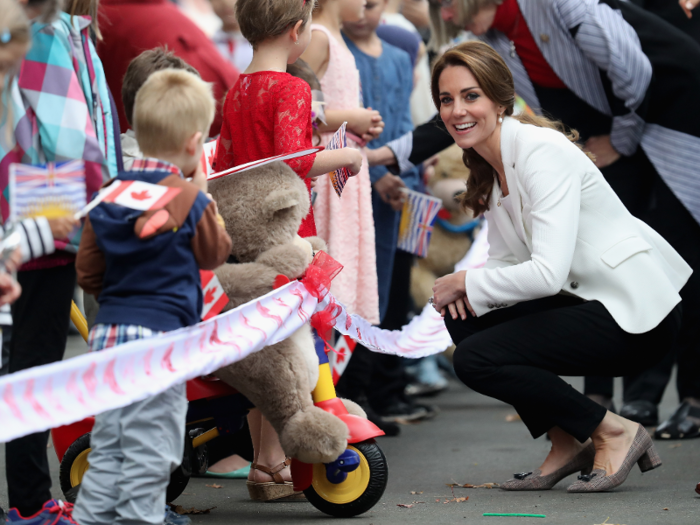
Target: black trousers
(40, 329)
(517, 355)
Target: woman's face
(479, 23)
(469, 115)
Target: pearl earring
(500, 119)
(296, 42)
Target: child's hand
(389, 189)
(61, 227)
(10, 289)
(199, 178)
(366, 123)
(354, 160)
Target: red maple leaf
(141, 195)
(210, 295)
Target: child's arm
(211, 244)
(317, 53)
(331, 160)
(90, 264)
(366, 123)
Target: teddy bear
(262, 209)
(451, 237)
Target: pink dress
(347, 223)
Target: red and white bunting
(138, 195)
(67, 391)
(214, 297)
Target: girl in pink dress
(345, 223)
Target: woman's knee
(458, 329)
(469, 363)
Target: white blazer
(571, 234)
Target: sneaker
(426, 389)
(54, 512)
(173, 518)
(389, 428)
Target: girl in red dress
(268, 111)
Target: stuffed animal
(262, 209)
(451, 237)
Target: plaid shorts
(108, 335)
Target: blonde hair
(170, 107)
(443, 32)
(13, 24)
(261, 20)
(85, 8)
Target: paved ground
(471, 442)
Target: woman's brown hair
(496, 81)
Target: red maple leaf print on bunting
(140, 195)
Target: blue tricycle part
(320, 349)
(337, 471)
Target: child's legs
(268, 451)
(152, 441)
(96, 499)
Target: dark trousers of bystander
(40, 329)
(517, 354)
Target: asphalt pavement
(473, 440)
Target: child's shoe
(173, 518)
(54, 512)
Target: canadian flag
(340, 358)
(208, 156)
(214, 297)
(138, 195)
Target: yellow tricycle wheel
(79, 468)
(349, 490)
(360, 491)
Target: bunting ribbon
(67, 391)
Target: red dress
(267, 114)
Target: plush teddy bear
(262, 209)
(451, 237)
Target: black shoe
(389, 428)
(680, 425)
(431, 410)
(401, 412)
(643, 412)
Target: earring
(500, 119)
(296, 42)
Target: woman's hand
(450, 293)
(603, 150)
(688, 5)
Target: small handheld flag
(340, 176)
(341, 356)
(257, 163)
(53, 190)
(214, 297)
(417, 219)
(134, 194)
(208, 156)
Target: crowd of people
(583, 200)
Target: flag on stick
(340, 176)
(52, 190)
(417, 219)
(208, 156)
(262, 162)
(214, 297)
(341, 356)
(139, 195)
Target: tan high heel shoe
(275, 490)
(641, 452)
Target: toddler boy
(147, 284)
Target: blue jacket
(154, 281)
